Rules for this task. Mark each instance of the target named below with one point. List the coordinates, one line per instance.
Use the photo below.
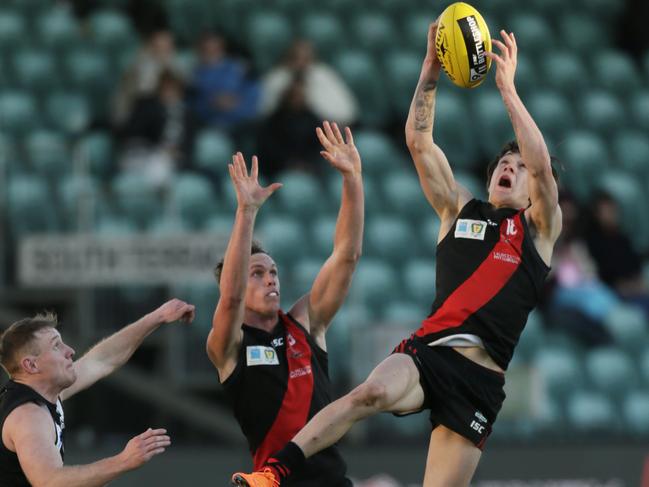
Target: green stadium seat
(552, 113)
(17, 112)
(634, 411)
(565, 72)
(284, 238)
(7, 149)
(403, 195)
(13, 30)
(531, 340)
(585, 157)
(29, 8)
(558, 370)
(418, 276)
(135, 198)
(375, 284)
(81, 201)
(213, 152)
(360, 72)
(115, 226)
(453, 131)
(58, 29)
(35, 70)
(269, 35)
(638, 106)
(169, 226)
(644, 367)
(492, 123)
(374, 32)
(219, 224)
(533, 33)
(377, 152)
(89, 71)
(527, 75)
(604, 9)
(326, 33)
(390, 238)
(68, 112)
(48, 153)
(630, 150)
(581, 33)
(96, 150)
(429, 231)
(591, 412)
(192, 199)
(301, 194)
(402, 69)
(29, 207)
(189, 18)
(322, 235)
(611, 371)
(615, 72)
(374, 202)
(112, 30)
(628, 326)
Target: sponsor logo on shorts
(480, 416)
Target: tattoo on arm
(424, 105)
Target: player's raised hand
(174, 310)
(506, 60)
(341, 154)
(250, 194)
(143, 447)
(432, 64)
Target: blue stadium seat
(615, 72)
(533, 32)
(602, 112)
(326, 33)
(13, 30)
(375, 284)
(213, 152)
(89, 70)
(136, 198)
(418, 276)
(361, 73)
(492, 122)
(454, 130)
(377, 152)
(269, 35)
(628, 326)
(591, 412)
(322, 235)
(29, 207)
(553, 115)
(566, 72)
(17, 112)
(303, 275)
(35, 70)
(559, 370)
(634, 409)
(374, 32)
(284, 238)
(403, 195)
(58, 29)
(81, 201)
(404, 313)
(193, 199)
(402, 70)
(301, 194)
(630, 150)
(638, 106)
(68, 112)
(585, 156)
(96, 150)
(112, 30)
(582, 33)
(611, 371)
(48, 153)
(390, 238)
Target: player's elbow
(418, 143)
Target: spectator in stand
(619, 264)
(577, 300)
(160, 130)
(224, 95)
(142, 76)
(326, 93)
(286, 138)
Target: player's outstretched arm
(435, 174)
(544, 193)
(29, 432)
(225, 336)
(317, 309)
(114, 351)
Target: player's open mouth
(505, 182)
(273, 294)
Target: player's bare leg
(452, 459)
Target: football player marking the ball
(492, 259)
(273, 365)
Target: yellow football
(461, 41)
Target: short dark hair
(19, 336)
(512, 146)
(255, 249)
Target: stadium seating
(585, 156)
(13, 30)
(615, 72)
(326, 32)
(402, 70)
(452, 133)
(283, 237)
(111, 30)
(591, 412)
(565, 72)
(95, 150)
(390, 239)
(17, 112)
(136, 198)
(492, 122)
(403, 195)
(638, 106)
(559, 370)
(58, 29)
(418, 277)
(29, 207)
(552, 114)
(581, 33)
(634, 410)
(48, 154)
(68, 112)
(374, 32)
(378, 152)
(301, 195)
(81, 202)
(533, 33)
(611, 371)
(192, 199)
(630, 150)
(628, 326)
(375, 284)
(35, 70)
(213, 152)
(269, 35)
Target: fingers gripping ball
(461, 41)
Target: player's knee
(369, 395)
